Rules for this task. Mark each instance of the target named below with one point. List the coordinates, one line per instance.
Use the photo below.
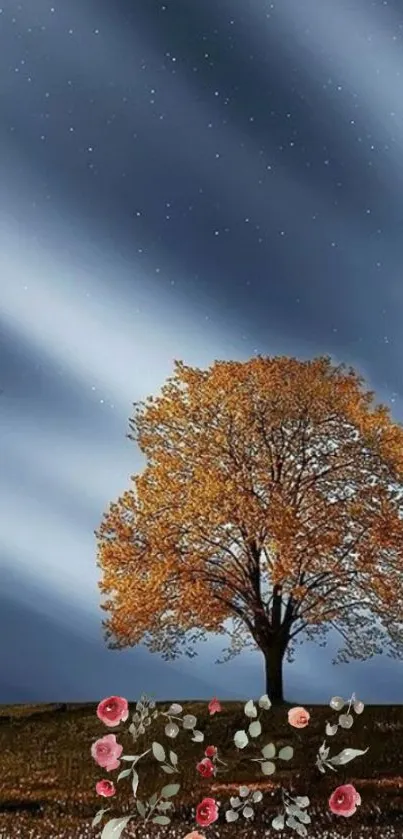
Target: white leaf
(114, 828)
(302, 801)
(243, 791)
(168, 769)
(323, 751)
(358, 706)
(171, 729)
(135, 782)
(189, 721)
(268, 767)
(304, 817)
(198, 736)
(255, 729)
(346, 720)
(241, 739)
(250, 709)
(278, 823)
(331, 729)
(257, 796)
(264, 702)
(235, 801)
(301, 829)
(291, 822)
(286, 753)
(231, 816)
(98, 817)
(248, 812)
(337, 703)
(345, 756)
(158, 751)
(175, 709)
(269, 751)
(124, 774)
(173, 758)
(128, 758)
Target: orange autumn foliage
(272, 496)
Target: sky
(179, 180)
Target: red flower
(214, 706)
(206, 768)
(106, 752)
(211, 751)
(344, 800)
(105, 788)
(207, 812)
(113, 710)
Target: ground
(48, 776)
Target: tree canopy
(270, 506)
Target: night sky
(190, 180)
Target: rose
(210, 751)
(113, 710)
(106, 752)
(105, 788)
(298, 717)
(206, 768)
(207, 812)
(194, 835)
(214, 706)
(344, 800)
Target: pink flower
(298, 717)
(206, 768)
(106, 752)
(214, 706)
(113, 710)
(194, 835)
(207, 812)
(105, 788)
(210, 751)
(344, 800)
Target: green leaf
(164, 805)
(345, 756)
(269, 751)
(141, 808)
(268, 767)
(173, 758)
(124, 774)
(128, 758)
(255, 729)
(170, 790)
(168, 769)
(286, 753)
(158, 751)
(250, 709)
(114, 828)
(153, 800)
(135, 782)
(161, 820)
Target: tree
(270, 509)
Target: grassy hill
(48, 776)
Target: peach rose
(298, 717)
(194, 835)
(207, 812)
(105, 788)
(344, 800)
(113, 710)
(214, 706)
(106, 752)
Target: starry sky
(179, 180)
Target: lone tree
(270, 507)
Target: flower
(113, 710)
(210, 751)
(298, 717)
(206, 768)
(194, 835)
(105, 788)
(344, 800)
(106, 752)
(214, 706)
(207, 812)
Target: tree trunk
(274, 673)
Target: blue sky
(178, 181)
